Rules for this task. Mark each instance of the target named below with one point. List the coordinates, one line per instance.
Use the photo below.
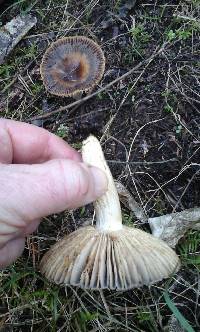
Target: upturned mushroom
(108, 255)
(72, 65)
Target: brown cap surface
(71, 65)
(115, 260)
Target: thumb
(34, 191)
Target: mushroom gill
(108, 255)
(72, 65)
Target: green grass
(62, 131)
(183, 322)
(128, 219)
(189, 249)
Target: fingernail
(100, 181)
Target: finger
(31, 227)
(21, 229)
(11, 251)
(25, 143)
(33, 191)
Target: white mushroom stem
(107, 207)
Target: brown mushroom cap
(71, 65)
(115, 260)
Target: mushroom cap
(115, 260)
(72, 65)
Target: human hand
(40, 174)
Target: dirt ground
(150, 124)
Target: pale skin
(40, 174)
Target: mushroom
(109, 255)
(72, 65)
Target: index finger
(24, 143)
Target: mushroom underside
(118, 260)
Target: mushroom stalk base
(107, 207)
